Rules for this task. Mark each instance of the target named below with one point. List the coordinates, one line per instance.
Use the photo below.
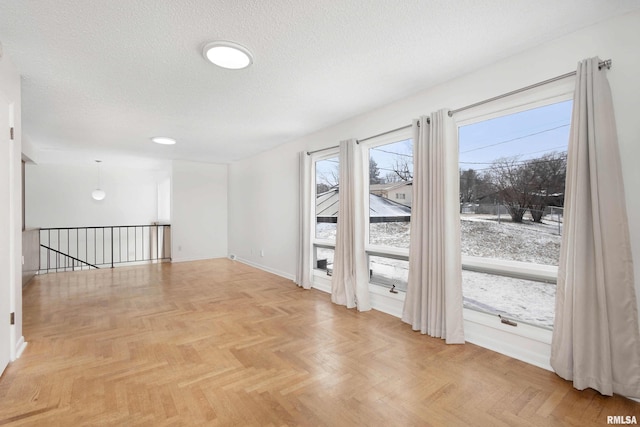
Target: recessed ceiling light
(163, 140)
(228, 55)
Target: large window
(326, 186)
(390, 178)
(512, 178)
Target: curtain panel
(433, 303)
(305, 257)
(350, 279)
(595, 342)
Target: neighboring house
(381, 209)
(399, 192)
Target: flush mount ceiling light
(228, 55)
(98, 194)
(163, 140)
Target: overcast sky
(529, 134)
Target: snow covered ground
(482, 236)
(517, 299)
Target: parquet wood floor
(220, 343)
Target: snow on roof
(380, 208)
(389, 186)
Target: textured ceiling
(101, 77)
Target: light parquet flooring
(220, 343)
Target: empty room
(332, 213)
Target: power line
(524, 162)
(519, 161)
(548, 149)
(514, 139)
(534, 127)
(392, 152)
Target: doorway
(5, 232)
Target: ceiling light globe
(98, 194)
(163, 140)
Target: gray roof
(389, 186)
(380, 208)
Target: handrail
(104, 245)
(105, 226)
(69, 256)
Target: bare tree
(529, 185)
(327, 178)
(374, 172)
(513, 183)
(550, 172)
(473, 186)
(402, 169)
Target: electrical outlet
(261, 252)
(179, 248)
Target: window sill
(517, 269)
(388, 252)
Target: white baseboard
(195, 258)
(383, 300)
(21, 345)
(523, 342)
(321, 282)
(267, 269)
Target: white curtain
(305, 258)
(433, 303)
(596, 342)
(350, 280)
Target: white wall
(59, 195)
(198, 211)
(264, 210)
(263, 188)
(164, 200)
(11, 200)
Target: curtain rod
(384, 133)
(358, 141)
(602, 64)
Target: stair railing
(80, 248)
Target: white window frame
(380, 250)
(543, 96)
(319, 278)
(316, 157)
(526, 342)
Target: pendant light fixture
(98, 194)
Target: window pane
(517, 299)
(390, 186)
(389, 272)
(324, 259)
(512, 179)
(512, 175)
(326, 179)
